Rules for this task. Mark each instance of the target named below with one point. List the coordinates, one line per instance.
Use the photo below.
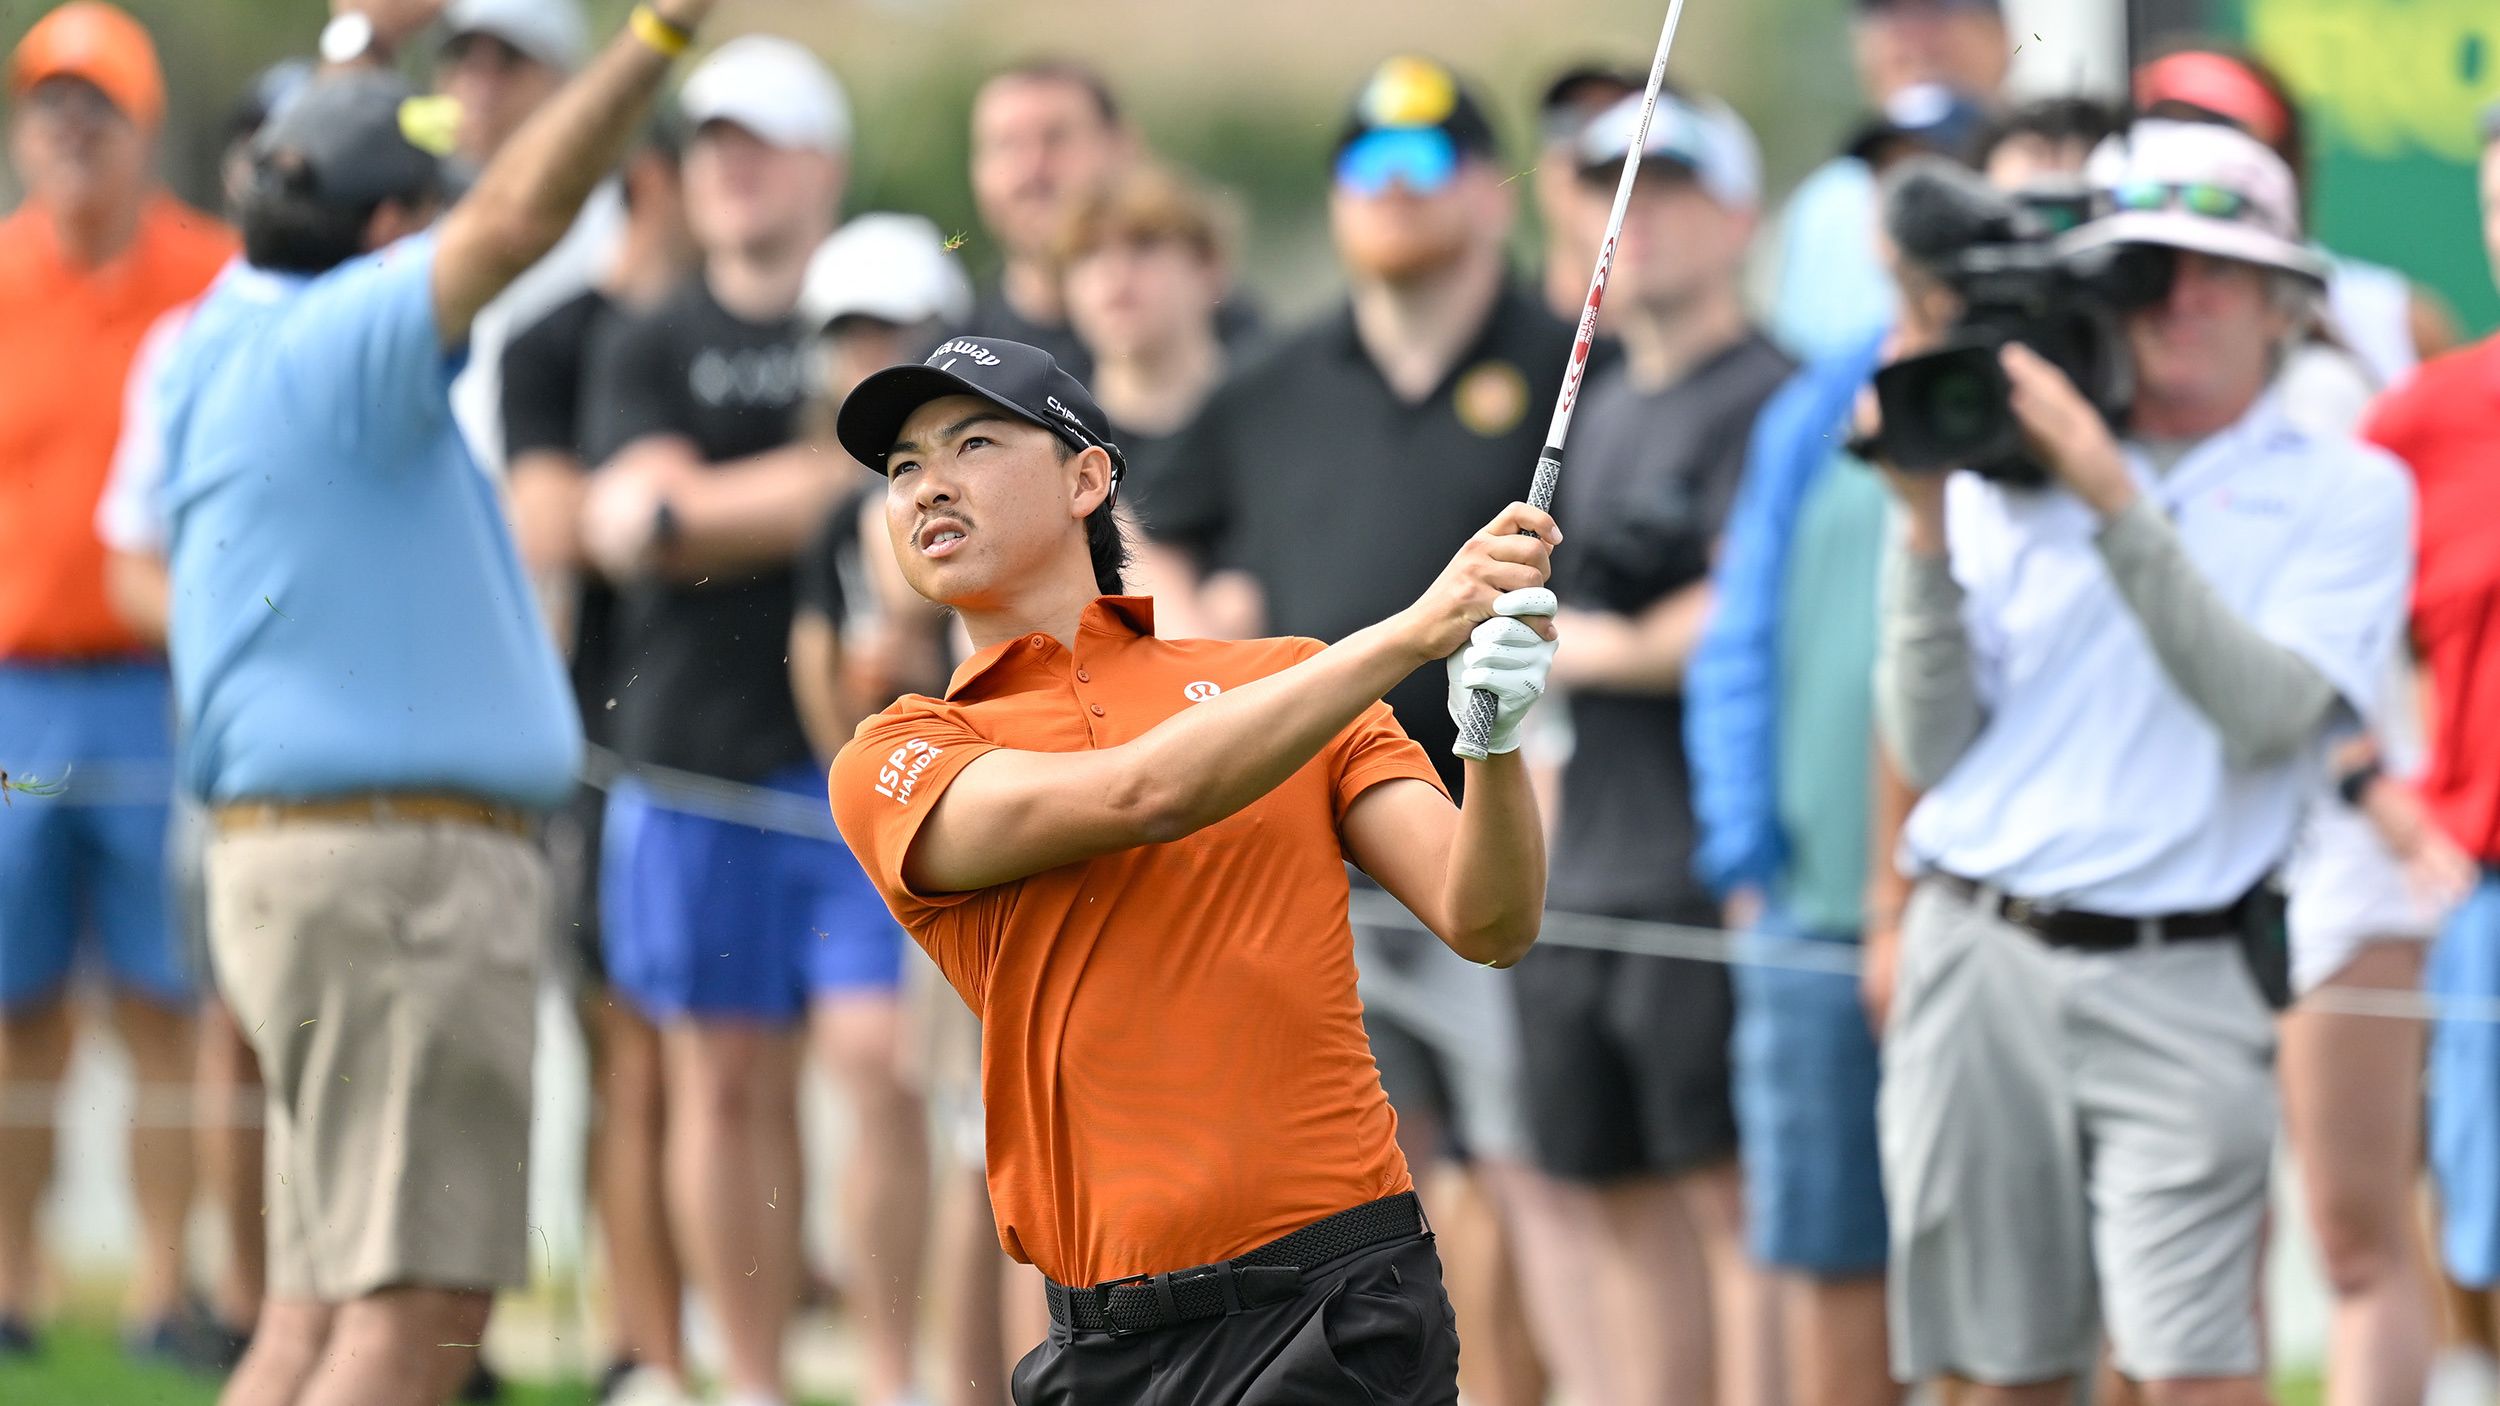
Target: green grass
(83, 1366)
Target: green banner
(2392, 91)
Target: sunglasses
(2197, 198)
(1421, 159)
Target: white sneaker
(648, 1386)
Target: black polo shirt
(1309, 472)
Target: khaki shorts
(387, 975)
(2072, 1141)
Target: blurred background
(1251, 94)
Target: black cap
(1022, 380)
(359, 137)
(1411, 92)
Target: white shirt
(2094, 782)
(567, 269)
(130, 517)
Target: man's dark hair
(1072, 72)
(1104, 541)
(2070, 118)
(288, 228)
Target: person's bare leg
(2207, 1391)
(967, 1283)
(2350, 1109)
(400, 1347)
(285, 1351)
(885, 1186)
(1838, 1352)
(1743, 1313)
(34, 1054)
(1023, 1307)
(737, 1230)
(161, 1043)
(228, 1146)
(2057, 1393)
(1620, 1292)
(2111, 1387)
(646, 1285)
(1500, 1365)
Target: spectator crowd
(435, 577)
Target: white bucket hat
(2200, 186)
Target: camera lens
(1961, 407)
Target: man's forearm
(1926, 700)
(1643, 653)
(1209, 761)
(761, 509)
(2264, 699)
(528, 196)
(1496, 883)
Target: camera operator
(2114, 681)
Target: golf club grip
(1475, 735)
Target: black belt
(2094, 932)
(1269, 1274)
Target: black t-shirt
(1149, 459)
(1646, 488)
(832, 560)
(1307, 470)
(543, 373)
(1237, 325)
(702, 674)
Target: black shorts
(1625, 1062)
(1372, 1329)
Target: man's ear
(1093, 481)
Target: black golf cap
(1411, 91)
(1024, 381)
(359, 137)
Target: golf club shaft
(1477, 732)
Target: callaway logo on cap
(1022, 380)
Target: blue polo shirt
(349, 612)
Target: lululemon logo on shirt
(1201, 691)
(903, 769)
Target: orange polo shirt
(1173, 1065)
(67, 335)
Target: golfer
(1128, 856)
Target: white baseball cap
(773, 88)
(894, 268)
(550, 31)
(2200, 186)
(1702, 135)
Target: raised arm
(1008, 814)
(528, 196)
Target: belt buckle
(1102, 1303)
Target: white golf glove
(1507, 659)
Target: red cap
(97, 42)
(2219, 84)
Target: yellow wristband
(669, 39)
